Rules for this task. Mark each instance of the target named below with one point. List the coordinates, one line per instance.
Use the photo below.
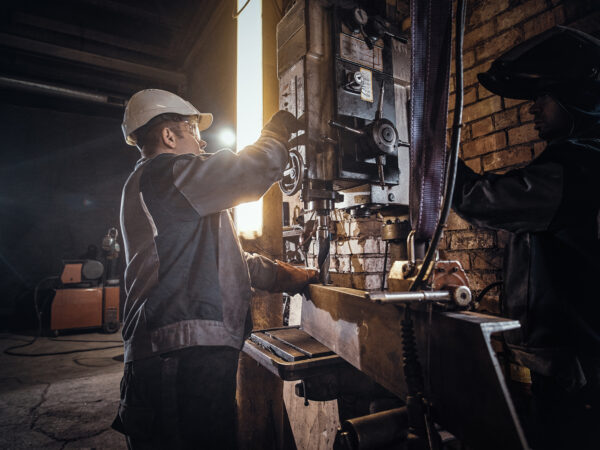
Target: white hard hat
(145, 105)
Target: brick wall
(498, 135)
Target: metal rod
(409, 297)
(49, 89)
(341, 126)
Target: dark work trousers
(180, 400)
(566, 420)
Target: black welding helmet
(562, 61)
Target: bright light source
(248, 217)
(227, 137)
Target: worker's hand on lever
(282, 125)
(293, 279)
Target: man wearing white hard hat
(188, 281)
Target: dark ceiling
(100, 51)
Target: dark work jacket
(552, 259)
(188, 282)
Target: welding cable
(487, 289)
(38, 316)
(38, 313)
(455, 141)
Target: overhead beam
(87, 33)
(92, 59)
(159, 17)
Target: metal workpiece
(409, 297)
(463, 377)
(461, 296)
(324, 242)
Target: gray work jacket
(188, 281)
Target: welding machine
(88, 296)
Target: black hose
(487, 289)
(38, 313)
(454, 146)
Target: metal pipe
(385, 429)
(59, 91)
(341, 126)
(409, 297)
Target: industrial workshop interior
(300, 224)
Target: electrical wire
(453, 157)
(487, 289)
(10, 350)
(235, 14)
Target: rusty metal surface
(463, 378)
(291, 370)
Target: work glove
(282, 125)
(292, 279)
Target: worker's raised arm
(218, 181)
(521, 200)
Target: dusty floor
(62, 401)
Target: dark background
(63, 161)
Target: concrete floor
(62, 401)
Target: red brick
(482, 109)
(518, 14)
(524, 133)
(487, 259)
(470, 76)
(468, 240)
(468, 59)
(479, 34)
(524, 113)
(543, 22)
(484, 145)
(474, 165)
(499, 44)
(485, 10)
(507, 158)
(456, 223)
(505, 119)
(483, 92)
(461, 256)
(538, 148)
(482, 127)
(469, 97)
(479, 280)
(510, 102)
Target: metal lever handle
(341, 126)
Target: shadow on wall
(61, 176)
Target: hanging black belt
(431, 33)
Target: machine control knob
(462, 296)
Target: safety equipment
(283, 124)
(561, 58)
(292, 279)
(145, 105)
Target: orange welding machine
(88, 296)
